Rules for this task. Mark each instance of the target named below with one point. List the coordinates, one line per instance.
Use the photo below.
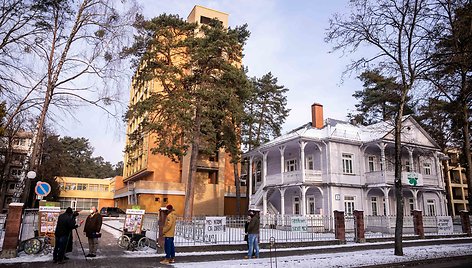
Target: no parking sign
(42, 188)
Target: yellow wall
(100, 194)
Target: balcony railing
(295, 177)
(408, 178)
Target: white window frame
(371, 163)
(407, 166)
(291, 165)
(310, 160)
(349, 205)
(348, 163)
(431, 207)
(296, 201)
(374, 206)
(310, 203)
(427, 168)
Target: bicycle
(132, 241)
(38, 244)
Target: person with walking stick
(65, 225)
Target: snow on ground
(112, 231)
(350, 259)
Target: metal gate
(3, 218)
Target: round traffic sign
(42, 188)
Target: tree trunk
(466, 151)
(238, 189)
(190, 189)
(398, 178)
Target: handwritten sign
(445, 225)
(299, 224)
(215, 225)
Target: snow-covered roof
(412, 133)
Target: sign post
(42, 188)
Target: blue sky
(287, 39)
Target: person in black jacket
(253, 235)
(65, 225)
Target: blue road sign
(42, 188)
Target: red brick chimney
(317, 115)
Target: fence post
(12, 230)
(359, 226)
(418, 223)
(339, 226)
(161, 223)
(465, 222)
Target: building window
(349, 205)
(347, 164)
(384, 206)
(427, 168)
(11, 186)
(71, 186)
(258, 176)
(93, 187)
(291, 165)
(310, 204)
(310, 164)
(15, 172)
(371, 162)
(204, 20)
(82, 187)
(407, 166)
(373, 201)
(410, 206)
(431, 205)
(213, 177)
(296, 205)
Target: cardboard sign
(215, 225)
(445, 224)
(299, 224)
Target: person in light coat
(168, 232)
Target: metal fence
(29, 223)
(195, 231)
(3, 218)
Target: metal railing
(194, 231)
(29, 223)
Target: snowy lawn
(351, 259)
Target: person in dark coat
(93, 225)
(70, 240)
(253, 235)
(246, 226)
(65, 225)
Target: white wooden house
(332, 165)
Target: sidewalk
(349, 255)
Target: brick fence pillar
(161, 222)
(418, 223)
(465, 222)
(339, 226)
(12, 230)
(359, 226)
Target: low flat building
(82, 193)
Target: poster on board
(48, 216)
(134, 221)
